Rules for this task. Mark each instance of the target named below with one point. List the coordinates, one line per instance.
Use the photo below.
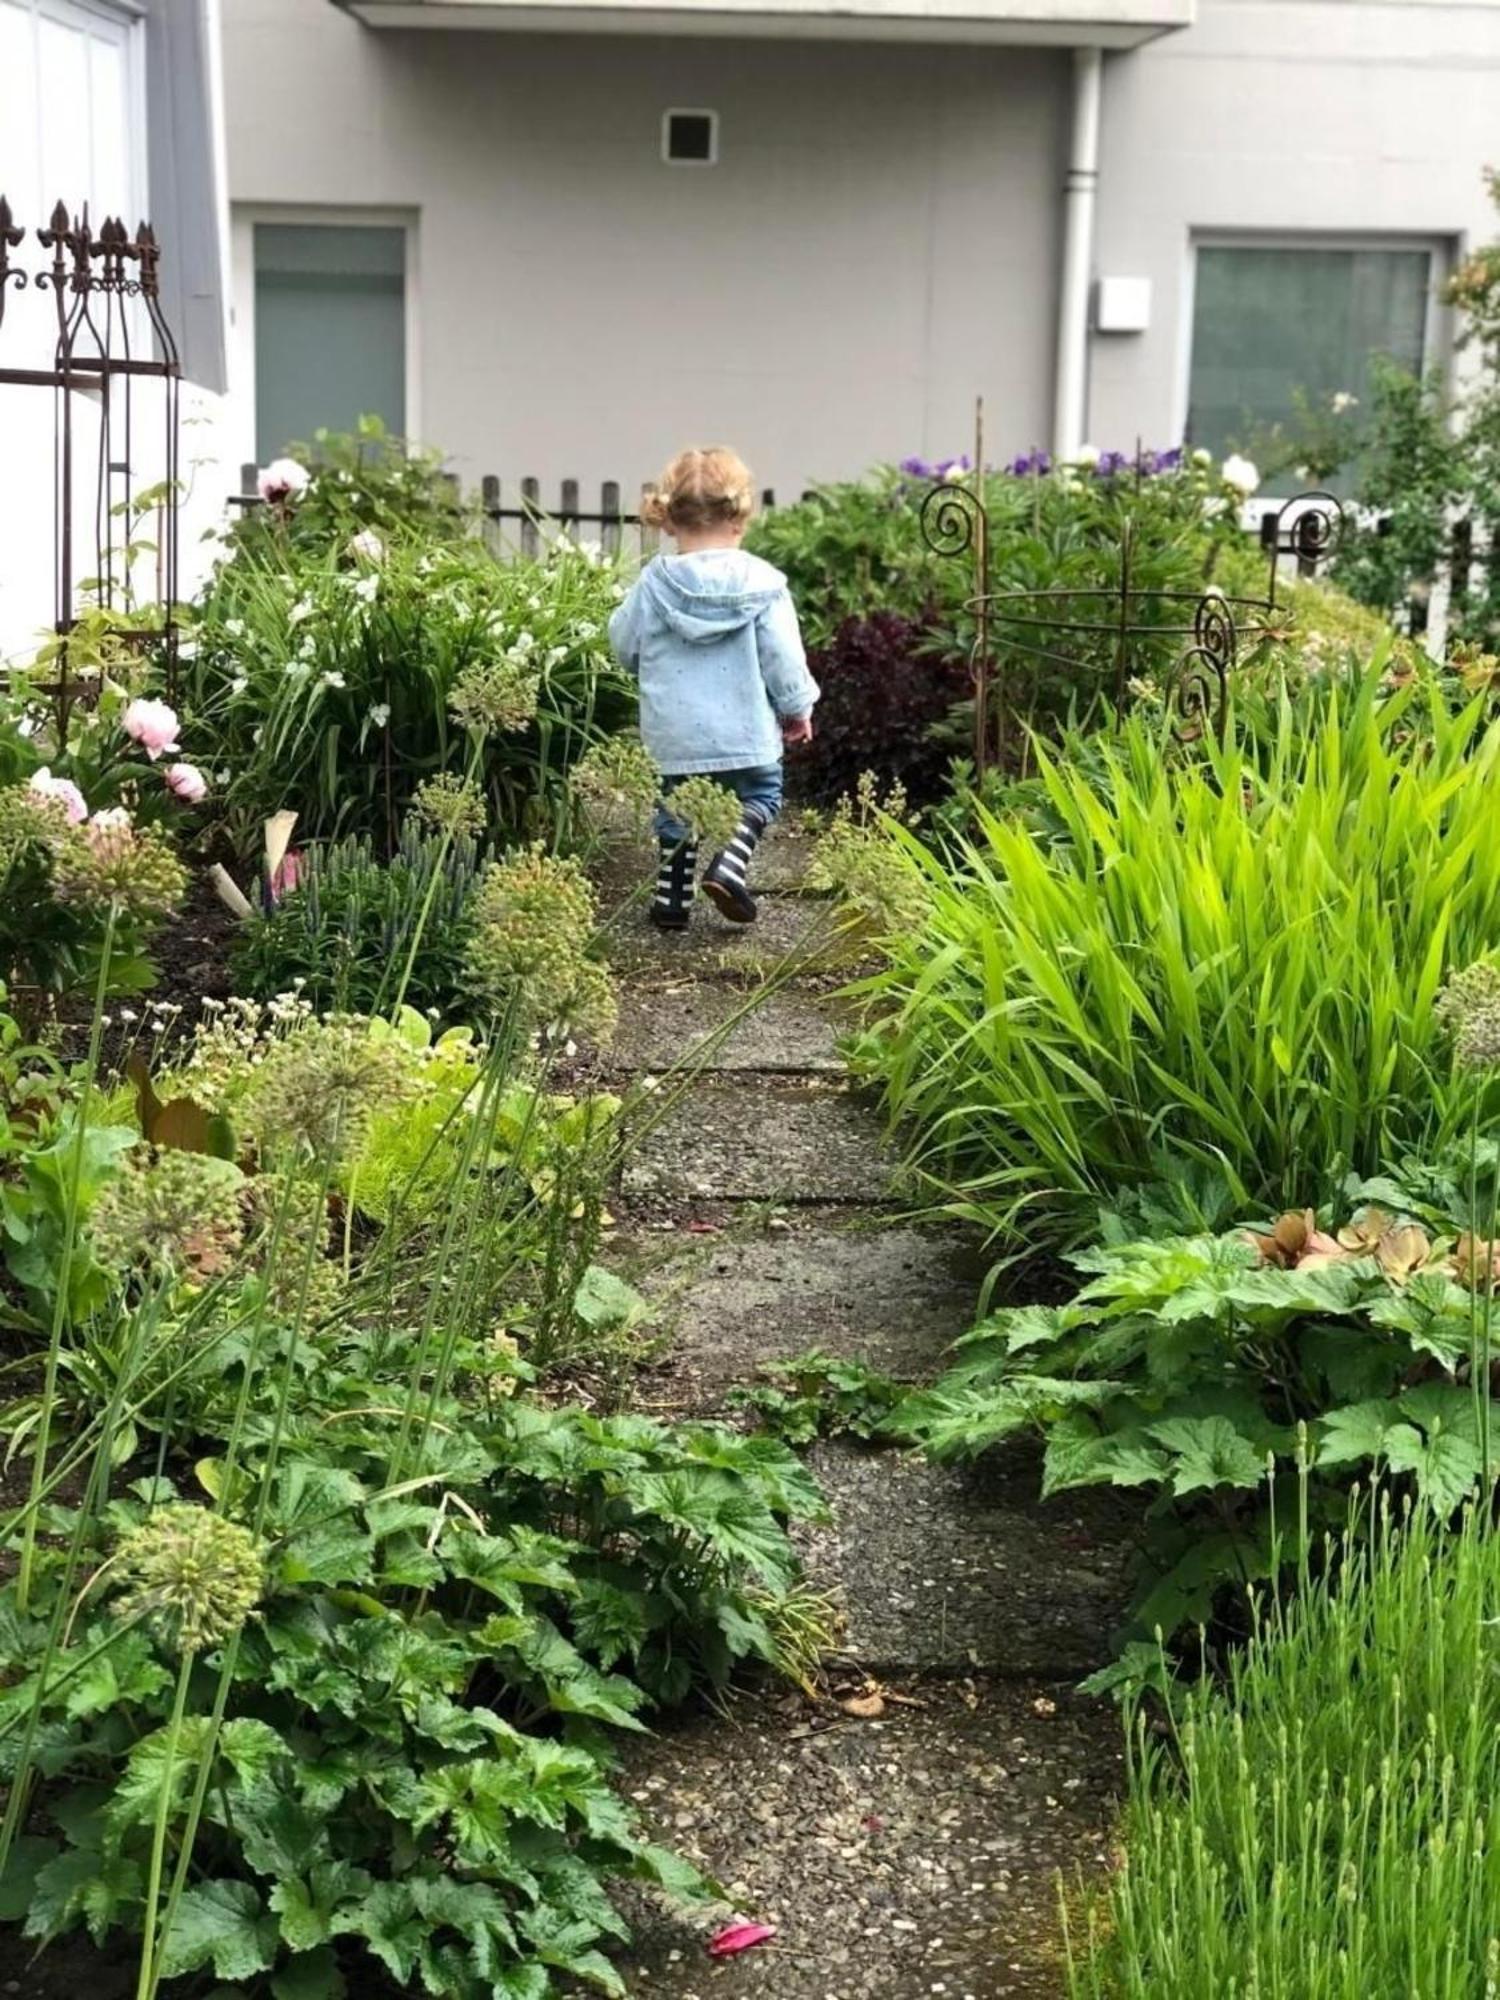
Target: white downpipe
(1069, 408)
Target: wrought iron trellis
(95, 280)
(1123, 614)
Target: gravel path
(912, 1846)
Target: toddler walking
(711, 635)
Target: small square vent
(690, 138)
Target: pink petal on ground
(739, 1937)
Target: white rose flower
(282, 480)
(1241, 474)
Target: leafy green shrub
(891, 624)
(1323, 1821)
(409, 1768)
(1215, 1375)
(1229, 961)
(363, 483)
(1420, 456)
(343, 934)
(820, 1395)
(350, 1718)
(327, 683)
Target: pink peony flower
(282, 480)
(187, 782)
(153, 725)
(46, 786)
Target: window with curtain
(330, 329)
(1275, 321)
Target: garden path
(913, 1851)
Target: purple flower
(1169, 461)
(1111, 462)
(1034, 462)
(945, 468)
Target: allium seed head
(709, 808)
(178, 1211)
(497, 695)
(1469, 1007)
(194, 1577)
(449, 804)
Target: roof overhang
(1110, 24)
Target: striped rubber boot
(724, 878)
(672, 906)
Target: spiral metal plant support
(109, 336)
(1122, 615)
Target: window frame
(1437, 345)
(244, 218)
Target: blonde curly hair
(707, 487)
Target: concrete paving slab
(785, 1031)
(789, 928)
(893, 1297)
(755, 1139)
(946, 1568)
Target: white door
(72, 129)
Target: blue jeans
(759, 785)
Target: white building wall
(880, 240)
(1285, 117)
(876, 245)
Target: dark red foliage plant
(889, 690)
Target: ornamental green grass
(1225, 964)
(1320, 1816)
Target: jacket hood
(702, 597)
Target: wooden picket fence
(527, 523)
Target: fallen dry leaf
(866, 1707)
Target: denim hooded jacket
(712, 639)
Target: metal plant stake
(1122, 614)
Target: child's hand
(797, 729)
